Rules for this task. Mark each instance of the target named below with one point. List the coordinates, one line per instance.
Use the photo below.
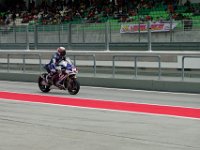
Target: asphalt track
(30, 123)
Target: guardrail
(23, 61)
(135, 63)
(88, 55)
(183, 64)
(24, 58)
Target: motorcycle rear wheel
(44, 88)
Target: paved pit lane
(30, 125)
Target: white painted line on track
(109, 110)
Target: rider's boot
(58, 84)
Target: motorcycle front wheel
(73, 86)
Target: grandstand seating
(155, 13)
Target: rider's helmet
(61, 51)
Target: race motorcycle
(66, 77)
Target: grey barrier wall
(100, 36)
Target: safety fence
(27, 62)
(101, 35)
(23, 59)
(183, 64)
(156, 57)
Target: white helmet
(61, 51)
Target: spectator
(91, 10)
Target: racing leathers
(51, 66)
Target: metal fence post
(136, 71)
(149, 36)
(106, 36)
(171, 22)
(59, 34)
(36, 37)
(95, 68)
(8, 63)
(139, 28)
(83, 30)
(24, 62)
(69, 35)
(110, 34)
(27, 38)
(113, 68)
(183, 68)
(159, 68)
(14, 28)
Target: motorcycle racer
(56, 58)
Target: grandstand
(30, 22)
(60, 12)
